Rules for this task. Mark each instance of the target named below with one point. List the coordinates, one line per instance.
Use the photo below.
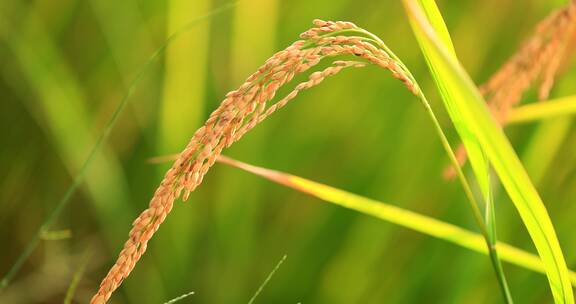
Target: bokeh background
(65, 65)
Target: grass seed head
(537, 62)
(240, 111)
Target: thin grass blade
(268, 277)
(179, 298)
(77, 277)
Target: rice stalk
(240, 111)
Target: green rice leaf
(468, 111)
(542, 110)
(396, 215)
(479, 164)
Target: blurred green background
(66, 64)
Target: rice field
(287, 152)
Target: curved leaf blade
(474, 114)
(395, 215)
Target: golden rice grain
(239, 112)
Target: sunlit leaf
(543, 110)
(396, 215)
(468, 109)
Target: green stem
(490, 241)
(485, 231)
(490, 219)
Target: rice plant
(513, 202)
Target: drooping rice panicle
(536, 63)
(239, 112)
